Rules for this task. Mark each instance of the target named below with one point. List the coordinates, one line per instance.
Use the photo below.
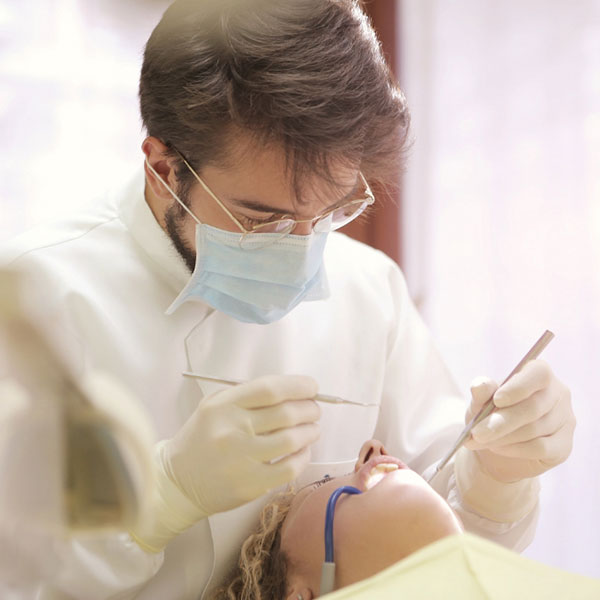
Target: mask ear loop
(172, 192)
(328, 569)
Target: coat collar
(137, 217)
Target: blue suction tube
(328, 570)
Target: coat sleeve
(102, 568)
(422, 414)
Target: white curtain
(69, 120)
(502, 219)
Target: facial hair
(175, 219)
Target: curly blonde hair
(262, 567)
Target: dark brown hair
(308, 75)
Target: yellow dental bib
(467, 567)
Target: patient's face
(397, 513)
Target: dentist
(265, 122)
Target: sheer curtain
(68, 106)
(502, 211)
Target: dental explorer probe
(318, 397)
(489, 406)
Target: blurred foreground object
(74, 455)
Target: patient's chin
(394, 519)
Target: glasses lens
(276, 230)
(341, 216)
(284, 226)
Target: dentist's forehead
(264, 175)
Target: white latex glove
(532, 429)
(237, 445)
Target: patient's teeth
(378, 472)
(383, 468)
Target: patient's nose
(367, 451)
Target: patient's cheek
(416, 497)
(396, 521)
(430, 520)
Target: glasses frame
(368, 199)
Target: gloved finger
(287, 469)
(272, 389)
(546, 425)
(506, 420)
(285, 414)
(482, 389)
(551, 450)
(534, 376)
(274, 445)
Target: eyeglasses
(330, 220)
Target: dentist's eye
(250, 222)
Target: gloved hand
(532, 429)
(237, 445)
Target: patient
(398, 521)
(397, 514)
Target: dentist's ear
(155, 154)
(368, 450)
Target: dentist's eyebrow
(258, 206)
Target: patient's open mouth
(379, 472)
(377, 468)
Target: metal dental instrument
(318, 397)
(489, 406)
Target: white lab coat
(104, 280)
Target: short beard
(175, 218)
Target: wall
(68, 106)
(502, 214)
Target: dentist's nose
(367, 451)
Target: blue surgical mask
(257, 283)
